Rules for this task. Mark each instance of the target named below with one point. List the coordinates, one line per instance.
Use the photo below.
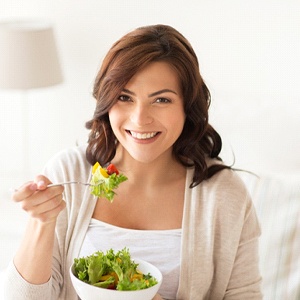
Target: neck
(160, 170)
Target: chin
(150, 158)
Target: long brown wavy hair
(129, 54)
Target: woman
(181, 208)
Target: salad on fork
(105, 180)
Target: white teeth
(143, 136)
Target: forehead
(159, 74)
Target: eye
(162, 100)
(124, 98)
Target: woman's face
(149, 116)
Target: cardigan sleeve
(245, 279)
(61, 167)
(15, 287)
(219, 254)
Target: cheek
(175, 126)
(114, 117)
(177, 119)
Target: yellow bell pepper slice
(95, 167)
(103, 172)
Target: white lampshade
(28, 55)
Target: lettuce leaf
(103, 185)
(92, 269)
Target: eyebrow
(152, 94)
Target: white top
(219, 241)
(159, 247)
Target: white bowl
(89, 292)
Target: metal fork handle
(61, 183)
(69, 182)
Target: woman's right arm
(33, 259)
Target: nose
(141, 115)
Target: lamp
(28, 55)
(28, 60)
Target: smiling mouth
(143, 136)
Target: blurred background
(249, 54)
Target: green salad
(105, 180)
(112, 271)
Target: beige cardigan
(219, 255)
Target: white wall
(249, 57)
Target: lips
(143, 135)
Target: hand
(41, 203)
(157, 297)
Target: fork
(63, 183)
(71, 182)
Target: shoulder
(68, 161)
(226, 181)
(222, 202)
(225, 177)
(223, 191)
(76, 152)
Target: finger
(42, 182)
(44, 207)
(24, 191)
(51, 215)
(28, 189)
(42, 196)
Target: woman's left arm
(245, 280)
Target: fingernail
(41, 183)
